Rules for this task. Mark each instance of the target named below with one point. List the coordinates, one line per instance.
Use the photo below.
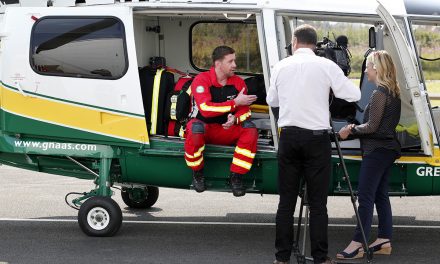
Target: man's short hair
(305, 34)
(220, 52)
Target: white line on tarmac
(201, 223)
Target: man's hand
(230, 122)
(244, 99)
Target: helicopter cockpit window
(81, 47)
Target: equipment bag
(156, 84)
(179, 106)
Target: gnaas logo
(428, 171)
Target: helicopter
(85, 84)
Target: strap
(177, 71)
(155, 101)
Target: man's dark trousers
(303, 153)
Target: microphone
(342, 41)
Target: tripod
(300, 256)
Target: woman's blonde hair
(386, 71)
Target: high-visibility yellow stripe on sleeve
(194, 163)
(219, 109)
(243, 117)
(245, 152)
(197, 154)
(242, 163)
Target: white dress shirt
(300, 86)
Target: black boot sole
(238, 192)
(198, 188)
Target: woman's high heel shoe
(379, 249)
(356, 254)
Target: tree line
(243, 38)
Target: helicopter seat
(260, 110)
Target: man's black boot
(198, 181)
(236, 183)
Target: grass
(434, 88)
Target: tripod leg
(353, 198)
(298, 229)
(302, 257)
(306, 222)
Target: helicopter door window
(426, 36)
(81, 47)
(345, 43)
(241, 36)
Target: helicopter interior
(184, 41)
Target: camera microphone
(342, 41)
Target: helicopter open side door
(412, 85)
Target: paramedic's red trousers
(198, 133)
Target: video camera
(336, 51)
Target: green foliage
(243, 38)
(433, 88)
(428, 44)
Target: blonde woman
(380, 148)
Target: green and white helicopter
(80, 96)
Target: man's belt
(304, 130)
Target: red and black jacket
(215, 101)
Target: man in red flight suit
(223, 118)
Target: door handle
(17, 84)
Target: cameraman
(300, 87)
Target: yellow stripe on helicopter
(113, 124)
(433, 161)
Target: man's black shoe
(198, 181)
(236, 184)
